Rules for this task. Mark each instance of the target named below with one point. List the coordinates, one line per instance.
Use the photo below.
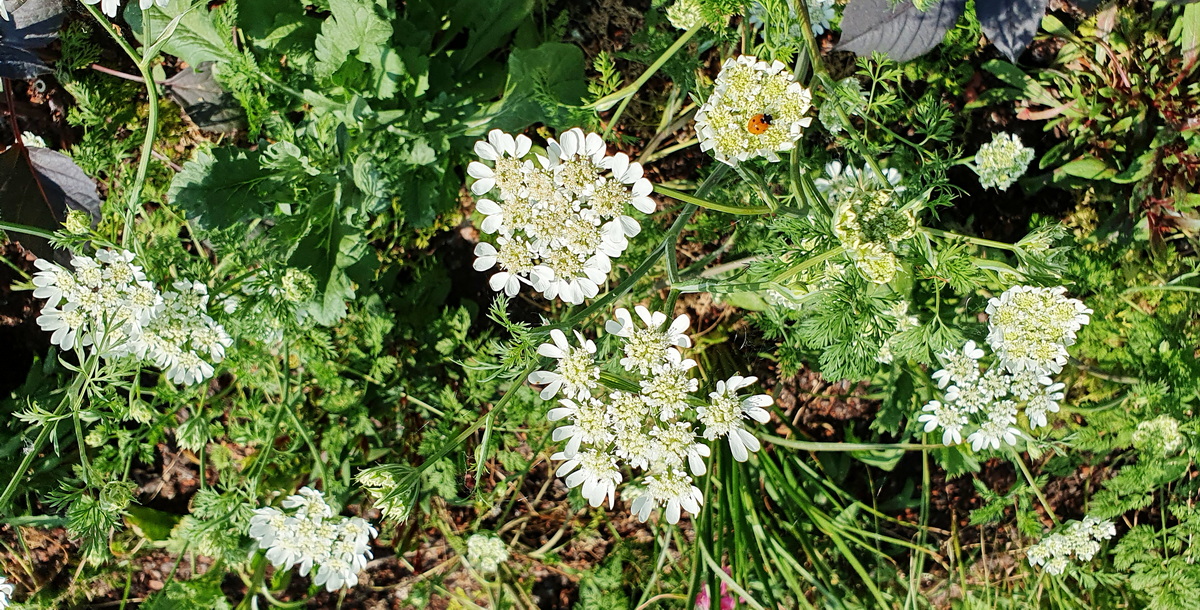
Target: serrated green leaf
(220, 187)
(354, 29)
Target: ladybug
(759, 123)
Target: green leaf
(220, 187)
(197, 39)
(282, 26)
(149, 523)
(353, 28)
(538, 81)
(333, 255)
(1086, 167)
(489, 23)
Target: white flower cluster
(656, 428)
(904, 322)
(685, 14)
(110, 6)
(380, 483)
(1030, 328)
(107, 304)
(756, 110)
(486, 553)
(846, 94)
(1159, 436)
(6, 591)
(311, 535)
(560, 220)
(1082, 539)
(1000, 162)
(984, 403)
(868, 219)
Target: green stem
(32, 454)
(833, 447)
(607, 101)
(725, 578)
(809, 262)
(1016, 457)
(471, 429)
(760, 185)
(712, 205)
(1167, 288)
(26, 229)
(978, 241)
(143, 66)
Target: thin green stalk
(760, 185)
(917, 560)
(834, 447)
(1016, 457)
(616, 117)
(791, 272)
(753, 210)
(662, 559)
(32, 454)
(13, 227)
(607, 101)
(143, 66)
(978, 241)
(471, 429)
(747, 599)
(1165, 288)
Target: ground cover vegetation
(615, 304)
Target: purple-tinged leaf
(38, 186)
(901, 31)
(31, 25)
(1010, 24)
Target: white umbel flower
(667, 387)
(959, 367)
(6, 591)
(671, 489)
(1159, 436)
(182, 339)
(576, 374)
(588, 424)
(109, 306)
(757, 109)
(486, 553)
(724, 415)
(655, 428)
(985, 407)
(558, 221)
(507, 170)
(841, 181)
(1030, 328)
(1002, 161)
(647, 347)
(1079, 541)
(309, 536)
(594, 472)
(944, 416)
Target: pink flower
(703, 602)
